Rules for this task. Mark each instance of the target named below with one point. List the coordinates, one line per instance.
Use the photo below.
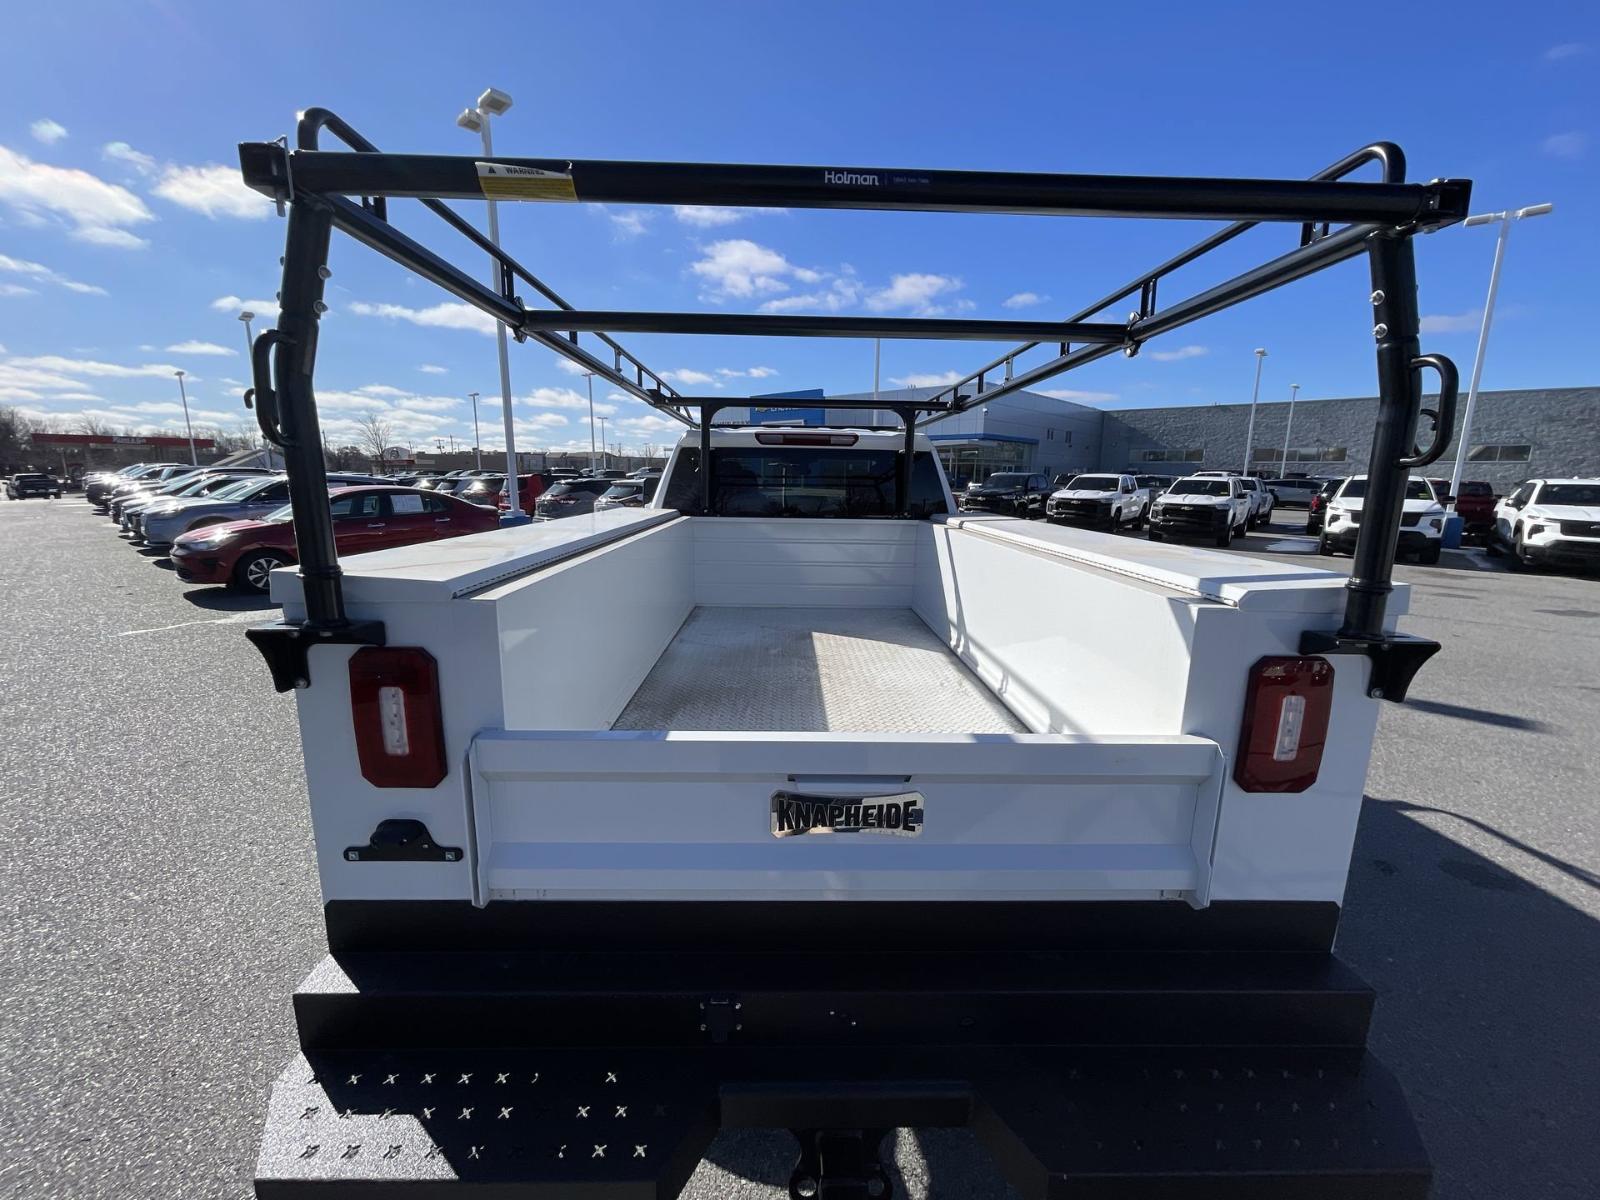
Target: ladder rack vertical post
(1395, 328)
(305, 267)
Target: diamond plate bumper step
(1098, 1124)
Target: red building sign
(106, 439)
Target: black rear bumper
(558, 1071)
(631, 1122)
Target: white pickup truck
(1108, 501)
(796, 725)
(799, 800)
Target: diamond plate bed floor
(818, 670)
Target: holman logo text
(850, 177)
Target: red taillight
(1286, 708)
(394, 702)
(806, 439)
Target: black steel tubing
(1286, 268)
(305, 260)
(362, 225)
(908, 455)
(1395, 327)
(1387, 154)
(797, 325)
(1182, 198)
(1306, 260)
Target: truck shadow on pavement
(1483, 716)
(1486, 987)
(1487, 984)
(218, 599)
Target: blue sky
(127, 244)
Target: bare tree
(375, 434)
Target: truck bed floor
(817, 670)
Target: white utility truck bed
(825, 670)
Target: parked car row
(233, 526)
(544, 494)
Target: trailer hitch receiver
(840, 1164)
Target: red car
(1475, 507)
(243, 554)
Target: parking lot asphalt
(161, 902)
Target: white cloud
(90, 367)
(152, 407)
(1179, 353)
(36, 191)
(121, 152)
(43, 274)
(539, 422)
(431, 369)
(915, 291)
(212, 190)
(1573, 144)
(193, 347)
(102, 235)
(452, 314)
(929, 379)
(629, 224)
(751, 373)
(1565, 50)
(381, 389)
(1079, 397)
(740, 267)
(349, 402)
(1023, 300)
(843, 291)
(232, 304)
(47, 131)
(430, 403)
(16, 289)
(685, 376)
(570, 367)
(549, 397)
(703, 216)
(1466, 322)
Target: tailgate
(810, 816)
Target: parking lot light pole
(1505, 218)
(1250, 429)
(247, 316)
(194, 458)
(1288, 427)
(605, 450)
(477, 449)
(493, 103)
(589, 375)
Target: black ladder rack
(1336, 219)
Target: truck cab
(822, 474)
(1111, 501)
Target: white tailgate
(649, 815)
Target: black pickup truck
(1013, 492)
(20, 487)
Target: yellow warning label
(501, 181)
